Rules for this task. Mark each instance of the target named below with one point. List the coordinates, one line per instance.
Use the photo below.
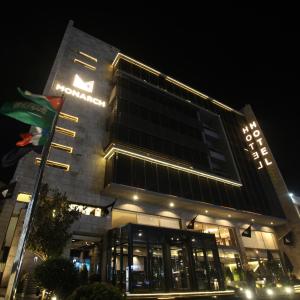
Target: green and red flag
(36, 110)
(32, 109)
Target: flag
(104, 209)
(6, 191)
(28, 112)
(32, 109)
(38, 136)
(13, 156)
(247, 232)
(52, 103)
(288, 239)
(192, 223)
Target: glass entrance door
(200, 269)
(179, 268)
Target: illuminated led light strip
(85, 64)
(174, 166)
(54, 164)
(68, 117)
(65, 131)
(135, 62)
(170, 79)
(88, 56)
(62, 147)
(186, 87)
(226, 107)
(225, 292)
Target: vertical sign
(256, 145)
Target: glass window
(200, 269)
(214, 282)
(169, 223)
(224, 235)
(148, 220)
(179, 267)
(121, 217)
(139, 268)
(260, 240)
(157, 267)
(269, 240)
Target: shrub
(57, 275)
(97, 291)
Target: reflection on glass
(156, 267)
(179, 266)
(224, 235)
(139, 268)
(212, 270)
(231, 265)
(200, 269)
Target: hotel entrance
(146, 259)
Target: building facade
(168, 154)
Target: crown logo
(85, 86)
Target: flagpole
(30, 212)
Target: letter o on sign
(248, 137)
(256, 133)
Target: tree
(57, 275)
(50, 229)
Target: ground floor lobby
(146, 259)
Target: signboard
(86, 86)
(256, 145)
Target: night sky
(237, 56)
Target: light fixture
(206, 211)
(291, 194)
(140, 234)
(171, 204)
(252, 220)
(272, 223)
(135, 197)
(248, 294)
(288, 290)
(270, 292)
(229, 216)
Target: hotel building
(166, 153)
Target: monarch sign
(86, 86)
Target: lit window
(22, 197)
